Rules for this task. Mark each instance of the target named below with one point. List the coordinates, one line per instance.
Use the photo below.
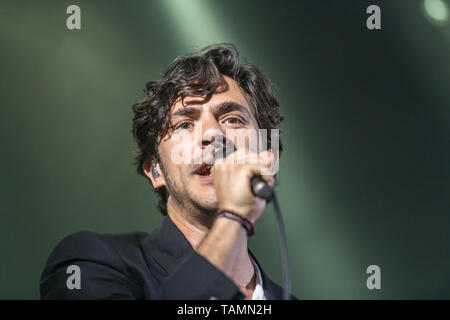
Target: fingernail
(266, 158)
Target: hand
(232, 177)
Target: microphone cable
(261, 189)
(283, 249)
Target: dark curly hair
(198, 74)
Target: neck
(195, 225)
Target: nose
(212, 132)
(215, 143)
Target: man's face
(195, 123)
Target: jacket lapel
(271, 290)
(164, 248)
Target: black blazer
(139, 265)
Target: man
(204, 102)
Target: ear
(157, 180)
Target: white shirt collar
(258, 294)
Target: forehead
(232, 93)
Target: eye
(185, 125)
(234, 121)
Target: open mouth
(203, 170)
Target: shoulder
(98, 260)
(92, 245)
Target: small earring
(155, 172)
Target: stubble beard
(203, 211)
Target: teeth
(206, 170)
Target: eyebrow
(186, 111)
(221, 108)
(229, 106)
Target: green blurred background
(364, 178)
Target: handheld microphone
(258, 185)
(261, 188)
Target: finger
(267, 157)
(257, 170)
(245, 156)
(269, 179)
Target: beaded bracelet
(233, 215)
